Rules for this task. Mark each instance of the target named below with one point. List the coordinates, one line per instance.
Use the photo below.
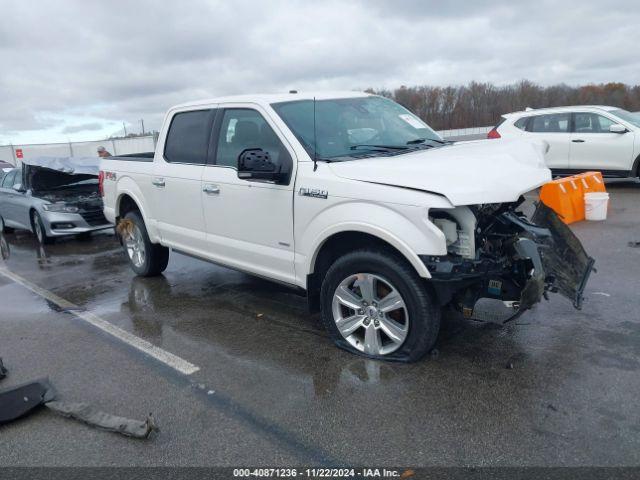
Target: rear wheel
(39, 230)
(145, 258)
(374, 303)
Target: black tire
(4, 228)
(37, 227)
(156, 256)
(424, 312)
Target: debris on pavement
(18, 401)
(95, 418)
(634, 244)
(15, 402)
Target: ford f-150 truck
(353, 200)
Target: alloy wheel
(370, 314)
(135, 247)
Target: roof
(532, 111)
(267, 98)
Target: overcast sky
(75, 70)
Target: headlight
(60, 207)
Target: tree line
(481, 104)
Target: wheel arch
(635, 170)
(127, 200)
(336, 244)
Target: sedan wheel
(370, 314)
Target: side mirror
(256, 164)
(18, 187)
(617, 128)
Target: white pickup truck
(353, 200)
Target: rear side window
(8, 180)
(521, 123)
(188, 137)
(551, 123)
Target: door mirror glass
(18, 187)
(255, 163)
(617, 128)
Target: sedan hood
(468, 173)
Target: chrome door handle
(158, 182)
(211, 189)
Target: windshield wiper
(422, 140)
(381, 148)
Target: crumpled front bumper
(544, 256)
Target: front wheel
(374, 303)
(145, 258)
(39, 230)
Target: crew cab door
(249, 222)
(553, 128)
(176, 179)
(594, 147)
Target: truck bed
(134, 157)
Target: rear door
(594, 147)
(553, 128)
(176, 180)
(249, 223)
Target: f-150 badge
(313, 192)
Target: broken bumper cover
(540, 256)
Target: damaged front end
(500, 263)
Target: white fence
(122, 146)
(464, 132)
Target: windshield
(632, 118)
(355, 127)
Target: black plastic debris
(634, 244)
(16, 402)
(89, 415)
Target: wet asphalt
(557, 387)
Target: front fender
(406, 228)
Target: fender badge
(313, 192)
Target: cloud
(82, 128)
(121, 61)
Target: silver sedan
(49, 216)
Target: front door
(594, 147)
(249, 223)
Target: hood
(70, 165)
(467, 173)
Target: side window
(243, 128)
(8, 180)
(551, 123)
(591, 123)
(521, 123)
(188, 137)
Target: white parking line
(167, 358)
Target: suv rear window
(188, 137)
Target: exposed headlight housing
(60, 207)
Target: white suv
(580, 138)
